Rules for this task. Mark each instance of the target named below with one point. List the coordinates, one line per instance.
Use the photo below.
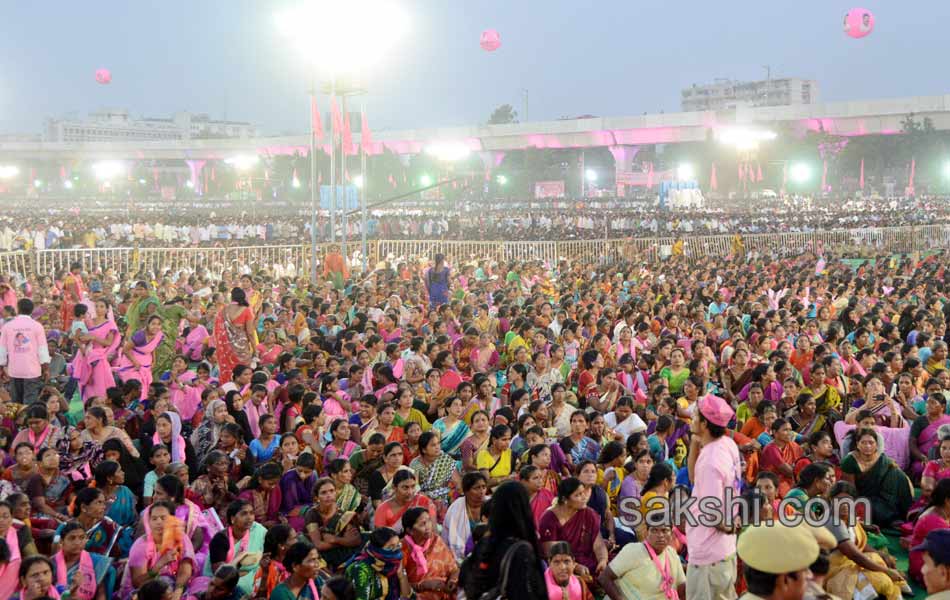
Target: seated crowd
(424, 433)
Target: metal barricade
(294, 260)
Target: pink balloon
(490, 40)
(859, 22)
(103, 76)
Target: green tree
(503, 115)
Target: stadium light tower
(107, 170)
(800, 173)
(322, 31)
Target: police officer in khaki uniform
(777, 560)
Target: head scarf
(177, 448)
(385, 562)
(78, 467)
(205, 437)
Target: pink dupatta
(144, 350)
(10, 570)
(86, 572)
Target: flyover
(855, 118)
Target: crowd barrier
(294, 260)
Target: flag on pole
(348, 148)
(824, 175)
(650, 177)
(913, 171)
(741, 172)
(336, 117)
(366, 137)
(316, 123)
(713, 182)
(861, 181)
(759, 176)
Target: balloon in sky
(490, 40)
(859, 22)
(103, 76)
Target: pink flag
(316, 122)
(751, 173)
(365, 135)
(913, 171)
(650, 177)
(337, 118)
(741, 172)
(784, 175)
(759, 176)
(62, 172)
(824, 175)
(212, 173)
(861, 182)
(348, 148)
(713, 182)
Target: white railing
(296, 258)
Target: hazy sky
(602, 57)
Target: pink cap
(716, 410)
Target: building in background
(116, 125)
(725, 94)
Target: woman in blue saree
(93, 573)
(120, 502)
(89, 510)
(451, 428)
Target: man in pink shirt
(24, 355)
(714, 466)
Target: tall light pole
(364, 175)
(346, 50)
(314, 115)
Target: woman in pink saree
(135, 360)
(193, 344)
(91, 365)
(185, 394)
(924, 433)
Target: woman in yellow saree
(854, 566)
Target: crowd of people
(25, 228)
(476, 431)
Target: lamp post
(346, 50)
(313, 180)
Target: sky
(600, 57)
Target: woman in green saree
(377, 572)
(302, 562)
(437, 472)
(877, 478)
(827, 398)
(146, 304)
(347, 496)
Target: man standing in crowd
(777, 560)
(936, 569)
(714, 466)
(24, 355)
